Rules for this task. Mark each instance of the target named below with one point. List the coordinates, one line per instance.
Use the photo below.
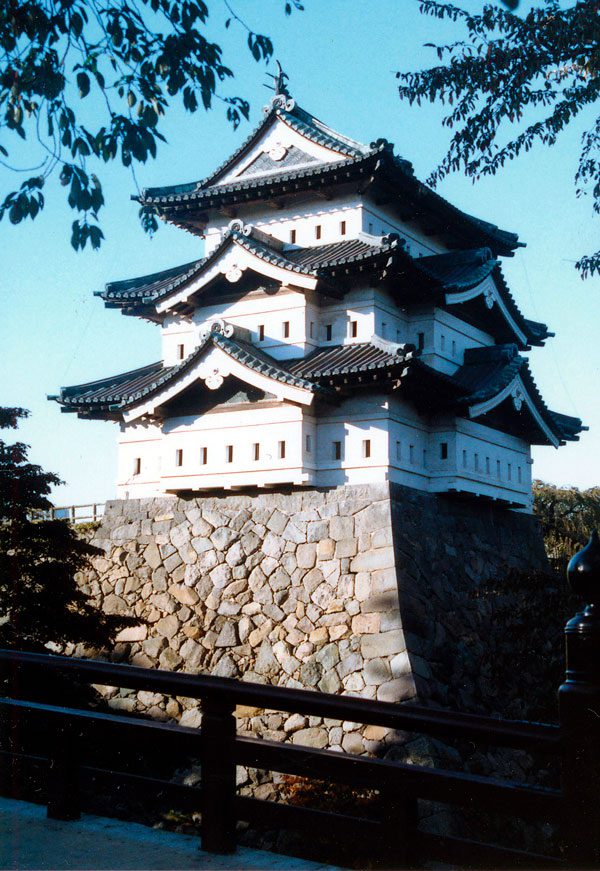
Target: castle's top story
(343, 324)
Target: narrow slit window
(286, 329)
(370, 227)
(203, 456)
(137, 466)
(398, 450)
(282, 450)
(383, 330)
(366, 448)
(293, 237)
(420, 341)
(261, 332)
(308, 444)
(398, 336)
(453, 348)
(337, 450)
(180, 352)
(353, 329)
(476, 458)
(179, 457)
(411, 453)
(487, 465)
(318, 231)
(464, 459)
(424, 457)
(311, 330)
(509, 471)
(443, 342)
(229, 453)
(256, 451)
(444, 451)
(519, 474)
(498, 470)
(342, 228)
(328, 332)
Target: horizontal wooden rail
(541, 737)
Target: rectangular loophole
(203, 456)
(261, 332)
(286, 329)
(229, 453)
(366, 448)
(256, 451)
(337, 450)
(137, 466)
(282, 450)
(179, 457)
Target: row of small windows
(318, 232)
(285, 331)
(477, 466)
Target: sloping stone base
(358, 589)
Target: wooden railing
(91, 512)
(82, 753)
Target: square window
(137, 466)
(282, 450)
(261, 332)
(229, 454)
(308, 444)
(180, 352)
(353, 329)
(337, 450)
(286, 329)
(256, 451)
(444, 451)
(179, 457)
(203, 456)
(367, 448)
(342, 228)
(318, 230)
(328, 332)
(293, 237)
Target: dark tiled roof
(114, 390)
(298, 119)
(486, 371)
(459, 270)
(151, 286)
(378, 157)
(350, 359)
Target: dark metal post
(63, 774)
(218, 785)
(579, 706)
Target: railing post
(400, 818)
(63, 773)
(579, 706)
(218, 784)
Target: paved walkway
(28, 840)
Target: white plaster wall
(446, 337)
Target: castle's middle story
(345, 325)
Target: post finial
(583, 571)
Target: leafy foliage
(133, 59)
(542, 70)
(568, 517)
(40, 602)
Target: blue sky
(341, 56)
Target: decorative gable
(278, 158)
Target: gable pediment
(218, 358)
